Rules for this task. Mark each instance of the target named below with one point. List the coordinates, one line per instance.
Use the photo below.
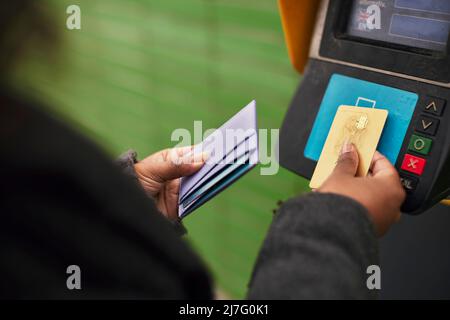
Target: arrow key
(427, 125)
(434, 105)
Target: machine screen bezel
(337, 44)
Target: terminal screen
(421, 24)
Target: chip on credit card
(362, 127)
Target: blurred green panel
(140, 69)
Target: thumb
(348, 161)
(174, 163)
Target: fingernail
(347, 147)
(206, 155)
(202, 157)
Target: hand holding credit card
(362, 127)
(232, 150)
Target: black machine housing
(416, 70)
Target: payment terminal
(387, 54)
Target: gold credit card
(360, 126)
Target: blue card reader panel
(343, 90)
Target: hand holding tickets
(361, 127)
(205, 169)
(233, 151)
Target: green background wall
(139, 69)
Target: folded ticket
(232, 150)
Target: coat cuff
(126, 162)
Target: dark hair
(24, 25)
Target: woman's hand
(159, 176)
(380, 192)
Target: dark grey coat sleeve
(318, 247)
(126, 162)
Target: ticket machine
(389, 54)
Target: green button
(420, 144)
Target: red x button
(413, 164)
